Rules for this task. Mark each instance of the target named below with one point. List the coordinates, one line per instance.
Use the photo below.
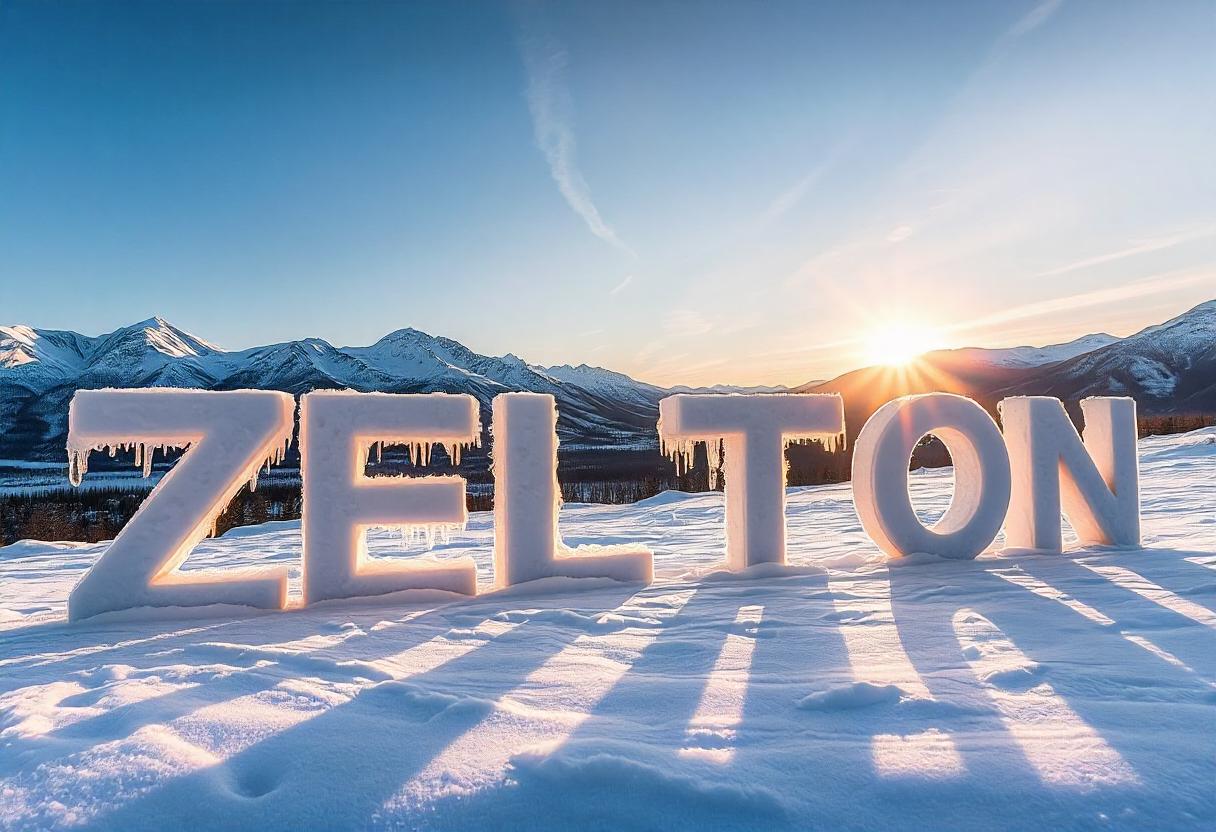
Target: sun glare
(895, 344)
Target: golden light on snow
(1145, 588)
(930, 753)
(711, 731)
(1064, 749)
(877, 655)
(544, 711)
(895, 343)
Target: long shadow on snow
(1169, 569)
(603, 778)
(816, 756)
(1190, 641)
(249, 675)
(1053, 636)
(294, 780)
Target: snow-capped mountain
(605, 383)
(40, 370)
(1169, 367)
(733, 388)
(1024, 357)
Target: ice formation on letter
(527, 544)
(746, 437)
(229, 437)
(1096, 482)
(337, 432)
(981, 476)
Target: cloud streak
(1149, 287)
(550, 105)
(620, 287)
(1145, 247)
(1035, 18)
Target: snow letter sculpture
(527, 544)
(337, 431)
(755, 430)
(981, 476)
(1095, 482)
(230, 436)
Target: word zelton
(1025, 479)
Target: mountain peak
(406, 333)
(163, 337)
(155, 322)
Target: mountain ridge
(1168, 367)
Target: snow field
(842, 691)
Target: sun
(896, 343)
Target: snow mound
(665, 498)
(848, 697)
(610, 775)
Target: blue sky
(734, 192)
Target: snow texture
(527, 497)
(338, 430)
(746, 436)
(230, 437)
(981, 472)
(1095, 481)
(1014, 691)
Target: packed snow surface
(841, 692)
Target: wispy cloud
(549, 102)
(1143, 247)
(794, 194)
(1027, 23)
(1148, 287)
(620, 287)
(1035, 18)
(899, 233)
(686, 323)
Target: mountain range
(1168, 368)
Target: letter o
(981, 476)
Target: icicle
(681, 453)
(145, 456)
(713, 451)
(424, 534)
(78, 465)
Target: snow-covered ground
(1011, 692)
